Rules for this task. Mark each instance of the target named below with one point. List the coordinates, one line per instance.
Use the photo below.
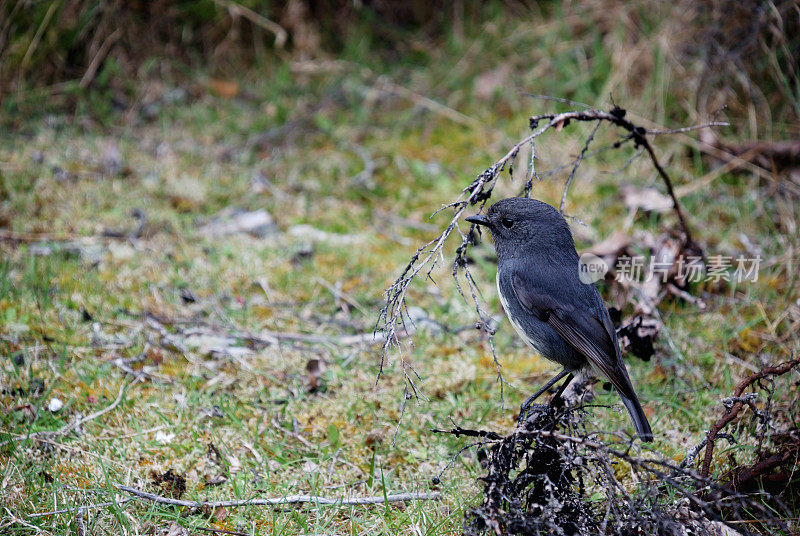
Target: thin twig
(340, 295)
(88, 76)
(79, 521)
(275, 501)
(236, 9)
(675, 203)
(428, 103)
(656, 132)
(267, 337)
(557, 99)
(85, 507)
(22, 522)
(734, 409)
(578, 160)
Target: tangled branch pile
(553, 475)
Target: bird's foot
(530, 413)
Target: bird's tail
(638, 417)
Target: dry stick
(430, 104)
(259, 20)
(392, 312)
(649, 465)
(37, 37)
(99, 57)
(668, 182)
(79, 521)
(85, 507)
(271, 337)
(734, 410)
(341, 295)
(11, 236)
(711, 176)
(575, 167)
(268, 337)
(15, 519)
(7, 235)
(617, 117)
(276, 501)
(314, 67)
(656, 132)
(745, 476)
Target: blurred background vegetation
(743, 54)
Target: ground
(187, 332)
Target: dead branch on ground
(553, 475)
(277, 501)
(735, 404)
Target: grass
(252, 426)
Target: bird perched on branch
(554, 312)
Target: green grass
(65, 318)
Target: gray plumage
(555, 313)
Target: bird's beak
(479, 219)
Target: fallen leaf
(220, 513)
(612, 246)
(235, 465)
(375, 436)
(176, 530)
(646, 199)
(224, 88)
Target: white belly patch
(517, 327)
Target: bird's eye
(508, 223)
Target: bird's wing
(579, 327)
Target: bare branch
(657, 132)
(85, 507)
(575, 167)
(277, 501)
(733, 409)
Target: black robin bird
(554, 312)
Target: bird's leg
(556, 399)
(523, 410)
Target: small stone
(164, 437)
(310, 467)
(55, 405)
